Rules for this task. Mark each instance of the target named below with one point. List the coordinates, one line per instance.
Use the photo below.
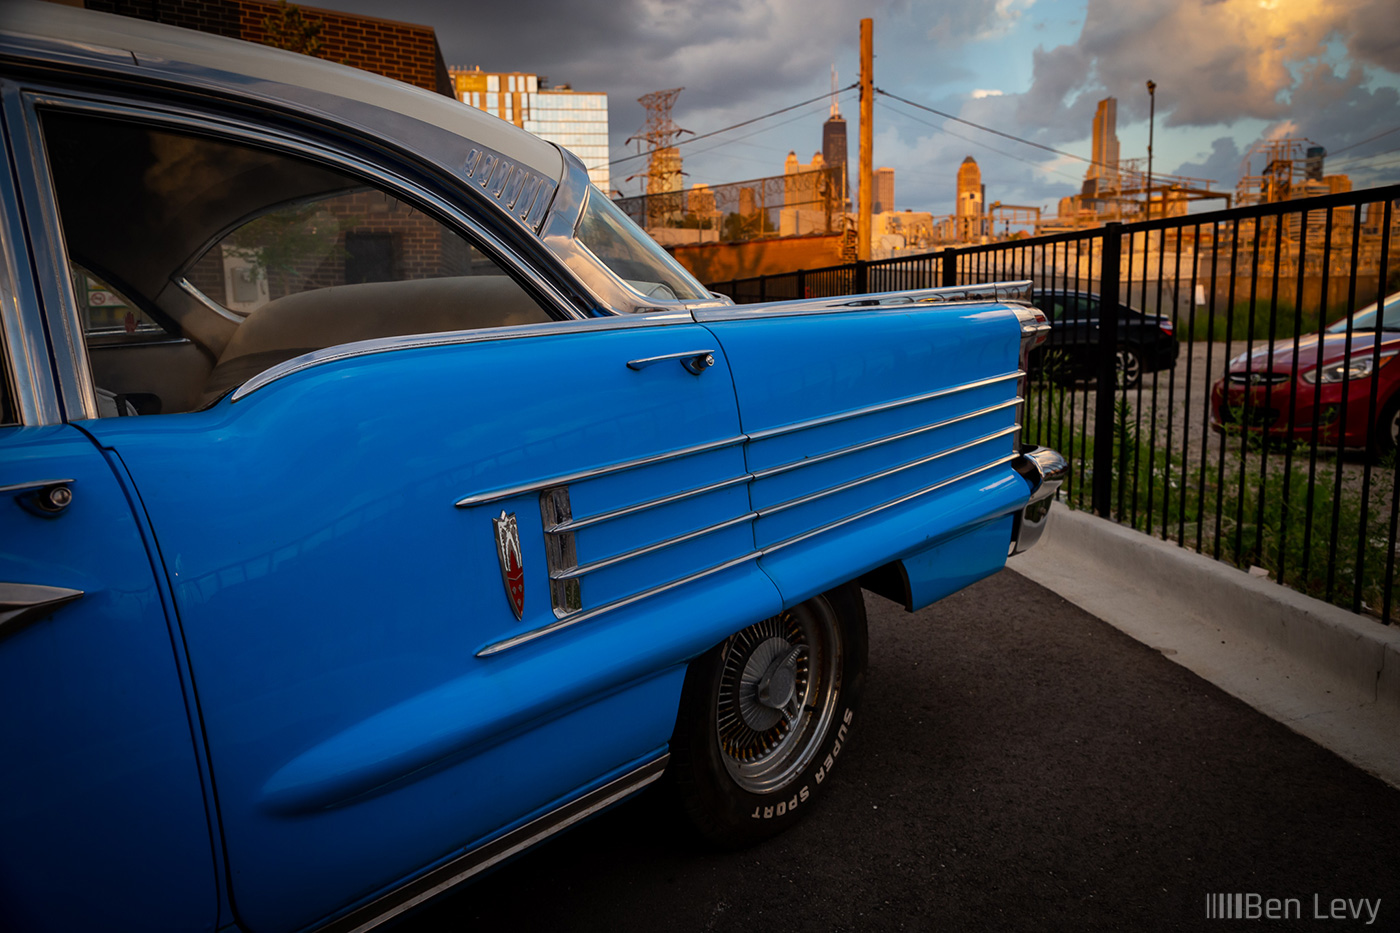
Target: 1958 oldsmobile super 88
(376, 499)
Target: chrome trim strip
(496, 851)
(568, 479)
(575, 524)
(883, 406)
(887, 439)
(591, 566)
(576, 618)
(1017, 291)
(796, 539)
(186, 286)
(852, 484)
(347, 351)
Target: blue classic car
(379, 500)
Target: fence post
(1106, 370)
(948, 268)
(762, 288)
(801, 283)
(862, 282)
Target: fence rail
(1254, 407)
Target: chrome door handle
(24, 603)
(695, 361)
(44, 497)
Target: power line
(1365, 141)
(967, 139)
(988, 129)
(684, 142)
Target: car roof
(431, 124)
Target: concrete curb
(1320, 669)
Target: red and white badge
(512, 566)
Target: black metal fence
(1255, 406)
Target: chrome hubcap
(777, 695)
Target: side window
(200, 261)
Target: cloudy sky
(1229, 74)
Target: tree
(288, 28)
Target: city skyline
(1229, 74)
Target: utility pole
(1151, 121)
(867, 138)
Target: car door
(432, 587)
(103, 823)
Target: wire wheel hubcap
(777, 695)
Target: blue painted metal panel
(102, 816)
(948, 567)
(875, 434)
(334, 599)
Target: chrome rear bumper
(1044, 469)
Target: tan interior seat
(327, 317)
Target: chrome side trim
(796, 539)
(23, 604)
(871, 477)
(887, 439)
(1018, 291)
(186, 286)
(360, 348)
(506, 492)
(591, 566)
(576, 618)
(486, 856)
(574, 524)
(560, 551)
(883, 406)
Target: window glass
(253, 256)
(636, 258)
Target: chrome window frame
(25, 366)
(22, 107)
(610, 291)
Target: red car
(1322, 387)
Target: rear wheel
(1386, 435)
(1129, 367)
(765, 715)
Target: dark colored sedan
(1145, 341)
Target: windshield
(636, 258)
(1365, 319)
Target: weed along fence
(1255, 401)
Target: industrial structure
(576, 120)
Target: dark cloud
(1221, 165)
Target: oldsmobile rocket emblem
(512, 566)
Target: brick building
(405, 51)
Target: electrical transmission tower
(664, 167)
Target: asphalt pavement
(1016, 764)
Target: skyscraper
(834, 152)
(969, 207)
(576, 120)
(884, 191)
(1103, 171)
